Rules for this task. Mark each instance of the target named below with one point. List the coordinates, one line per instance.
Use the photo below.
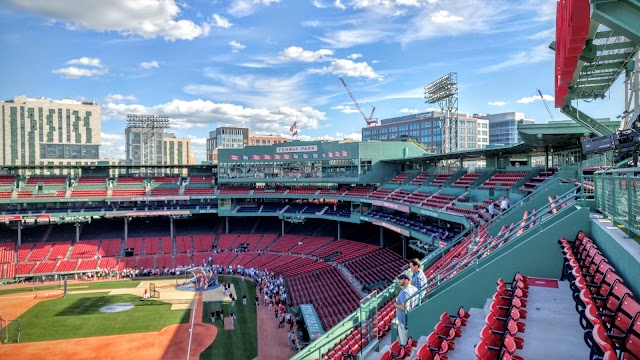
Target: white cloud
(530, 99)
(349, 68)
(236, 46)
(296, 53)
(205, 114)
(534, 55)
(409, 111)
(221, 21)
(548, 34)
(343, 39)
(119, 98)
(354, 56)
(444, 17)
(345, 109)
(149, 64)
(112, 146)
(73, 72)
(389, 3)
(141, 18)
(251, 88)
(336, 137)
(498, 103)
(85, 61)
(242, 8)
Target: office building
(147, 143)
(504, 127)
(49, 132)
(237, 138)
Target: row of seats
(609, 314)
(442, 338)
(498, 338)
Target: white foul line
(193, 317)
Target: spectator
(402, 305)
(418, 279)
(504, 204)
(491, 210)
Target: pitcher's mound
(228, 323)
(119, 307)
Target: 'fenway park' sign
(290, 149)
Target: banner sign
(245, 157)
(397, 229)
(286, 156)
(266, 157)
(310, 316)
(6, 218)
(204, 211)
(290, 149)
(110, 214)
(234, 157)
(256, 157)
(277, 156)
(393, 206)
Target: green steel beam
(585, 120)
(622, 16)
(618, 65)
(617, 46)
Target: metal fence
(617, 195)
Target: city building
(426, 129)
(147, 143)
(504, 127)
(237, 138)
(177, 151)
(49, 132)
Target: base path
(272, 341)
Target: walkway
(272, 341)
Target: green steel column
(630, 201)
(126, 229)
(381, 237)
(171, 230)
(19, 233)
(226, 220)
(339, 235)
(404, 247)
(282, 227)
(77, 232)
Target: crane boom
(370, 120)
(546, 105)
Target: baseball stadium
(305, 250)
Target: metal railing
(617, 195)
(488, 245)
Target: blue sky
(267, 63)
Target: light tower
(444, 92)
(144, 135)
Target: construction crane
(546, 105)
(371, 121)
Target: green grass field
(96, 285)
(78, 316)
(241, 343)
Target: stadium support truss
(444, 92)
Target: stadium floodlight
(441, 89)
(147, 121)
(444, 92)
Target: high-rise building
(237, 138)
(147, 143)
(177, 151)
(49, 132)
(504, 127)
(426, 129)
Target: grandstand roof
(558, 134)
(521, 148)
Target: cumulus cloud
(354, 56)
(345, 109)
(336, 137)
(498, 103)
(530, 99)
(349, 68)
(342, 39)
(296, 53)
(73, 72)
(236, 46)
(85, 61)
(117, 98)
(149, 64)
(112, 146)
(142, 18)
(409, 111)
(206, 114)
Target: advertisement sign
(290, 149)
(393, 206)
(391, 227)
(310, 316)
(110, 214)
